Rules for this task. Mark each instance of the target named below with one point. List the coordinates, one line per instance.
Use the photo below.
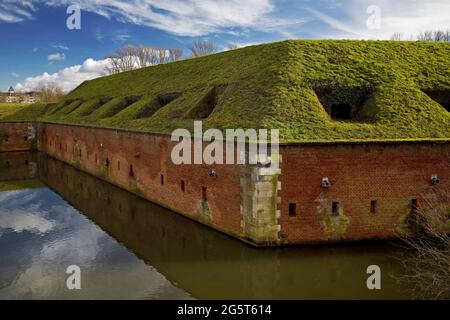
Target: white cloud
(19, 220)
(185, 17)
(35, 49)
(67, 78)
(15, 75)
(347, 19)
(409, 17)
(60, 47)
(56, 57)
(121, 35)
(188, 17)
(16, 10)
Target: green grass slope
(279, 85)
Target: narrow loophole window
(118, 165)
(335, 209)
(183, 186)
(413, 205)
(162, 179)
(204, 194)
(373, 206)
(131, 173)
(292, 209)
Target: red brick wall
(150, 156)
(392, 175)
(14, 136)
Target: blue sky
(38, 48)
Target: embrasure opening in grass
(95, 106)
(121, 105)
(440, 96)
(343, 103)
(49, 106)
(341, 111)
(208, 104)
(154, 106)
(73, 106)
(59, 106)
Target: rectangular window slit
(131, 173)
(292, 209)
(373, 206)
(204, 194)
(162, 179)
(183, 187)
(335, 209)
(413, 205)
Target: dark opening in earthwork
(154, 106)
(440, 96)
(208, 104)
(343, 103)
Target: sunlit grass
(272, 86)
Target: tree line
(427, 36)
(131, 57)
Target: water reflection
(130, 248)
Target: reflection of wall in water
(206, 263)
(17, 166)
(188, 254)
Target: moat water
(128, 248)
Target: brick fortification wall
(141, 163)
(371, 194)
(373, 188)
(17, 136)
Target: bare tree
(175, 54)
(434, 36)
(202, 48)
(130, 57)
(397, 37)
(124, 59)
(163, 55)
(428, 267)
(49, 93)
(233, 46)
(153, 56)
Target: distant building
(12, 97)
